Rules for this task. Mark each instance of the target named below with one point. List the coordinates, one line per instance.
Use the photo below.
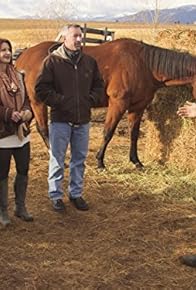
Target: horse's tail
(43, 134)
(40, 111)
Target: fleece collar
(62, 51)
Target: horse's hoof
(139, 166)
(100, 166)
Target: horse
(132, 71)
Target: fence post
(84, 34)
(105, 34)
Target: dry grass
(139, 223)
(25, 33)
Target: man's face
(73, 38)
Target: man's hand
(188, 110)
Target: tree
(61, 10)
(154, 7)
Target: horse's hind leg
(114, 115)
(134, 120)
(41, 116)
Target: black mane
(169, 62)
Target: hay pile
(181, 39)
(171, 139)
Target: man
(188, 110)
(70, 83)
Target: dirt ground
(127, 240)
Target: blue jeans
(60, 136)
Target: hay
(171, 139)
(182, 39)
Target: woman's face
(5, 53)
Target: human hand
(21, 128)
(188, 110)
(26, 115)
(15, 116)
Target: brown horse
(132, 71)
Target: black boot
(4, 218)
(189, 260)
(20, 188)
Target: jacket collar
(60, 51)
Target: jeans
(60, 136)
(21, 157)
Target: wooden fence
(88, 33)
(104, 35)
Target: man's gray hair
(65, 29)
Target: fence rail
(106, 34)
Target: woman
(15, 114)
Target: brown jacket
(8, 104)
(69, 89)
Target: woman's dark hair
(2, 40)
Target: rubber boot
(189, 260)
(20, 188)
(4, 218)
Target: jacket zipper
(77, 93)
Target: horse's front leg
(134, 121)
(107, 136)
(114, 115)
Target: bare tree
(154, 11)
(61, 10)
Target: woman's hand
(16, 116)
(26, 115)
(21, 128)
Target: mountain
(184, 14)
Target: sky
(18, 8)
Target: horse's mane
(169, 62)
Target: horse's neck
(170, 66)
